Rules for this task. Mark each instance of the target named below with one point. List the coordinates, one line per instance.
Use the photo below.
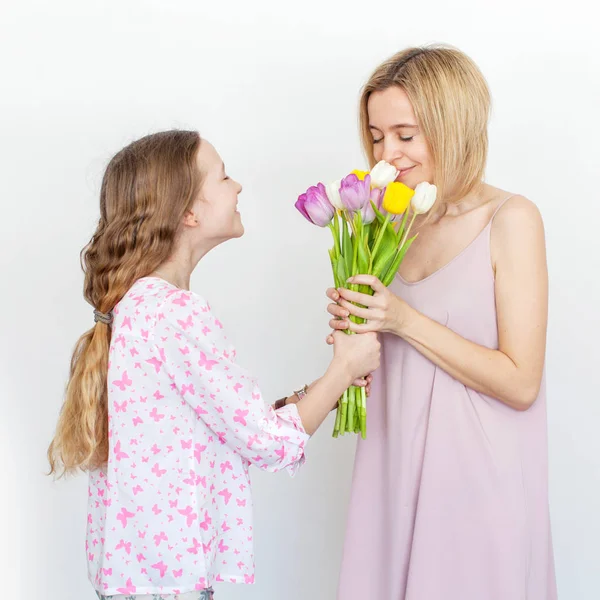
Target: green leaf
(388, 276)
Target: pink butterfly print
(200, 411)
(205, 330)
(237, 387)
(188, 514)
(156, 416)
(221, 436)
(226, 496)
(137, 489)
(140, 557)
(155, 449)
(107, 502)
(144, 334)
(195, 547)
(118, 453)
(222, 547)
(185, 350)
(120, 340)
(127, 322)
(178, 557)
(187, 389)
(145, 459)
(207, 521)
(133, 352)
(248, 578)
(158, 471)
(157, 364)
(193, 479)
(218, 324)
(188, 323)
(219, 579)
(123, 382)
(90, 557)
(241, 502)
(156, 510)
(128, 589)
(182, 300)
(186, 445)
(173, 503)
(178, 573)
(198, 451)
(125, 545)
(124, 515)
(226, 466)
(161, 537)
(136, 421)
(207, 364)
(253, 439)
(106, 572)
(242, 487)
(120, 407)
(161, 568)
(143, 398)
(240, 416)
(240, 565)
(142, 534)
(281, 452)
(225, 527)
(240, 522)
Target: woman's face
(397, 138)
(216, 207)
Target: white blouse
(172, 511)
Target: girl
(450, 491)
(157, 409)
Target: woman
(450, 491)
(157, 409)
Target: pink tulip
(315, 206)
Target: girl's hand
(383, 312)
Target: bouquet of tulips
(368, 215)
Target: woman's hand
(383, 312)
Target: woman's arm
(513, 372)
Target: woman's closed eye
(403, 139)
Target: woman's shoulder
(517, 225)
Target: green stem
(405, 236)
(378, 241)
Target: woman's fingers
(337, 311)
(332, 294)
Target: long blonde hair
(451, 101)
(146, 190)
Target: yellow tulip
(360, 174)
(397, 197)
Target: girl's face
(397, 138)
(215, 210)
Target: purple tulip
(354, 192)
(368, 214)
(315, 206)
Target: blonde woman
(450, 491)
(157, 408)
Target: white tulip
(382, 174)
(424, 198)
(333, 193)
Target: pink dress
(449, 498)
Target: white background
(274, 85)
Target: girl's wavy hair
(146, 190)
